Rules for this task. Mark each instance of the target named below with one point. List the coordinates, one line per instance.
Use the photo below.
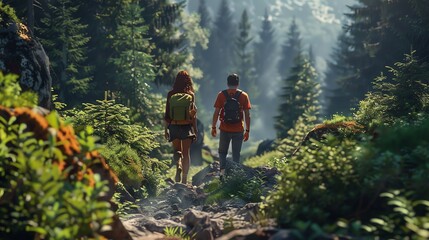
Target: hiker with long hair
(181, 123)
(232, 108)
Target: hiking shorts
(180, 132)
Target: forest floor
(196, 210)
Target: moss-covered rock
(23, 55)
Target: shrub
(48, 189)
(128, 144)
(403, 97)
(342, 179)
(314, 183)
(236, 185)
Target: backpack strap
(225, 92)
(237, 94)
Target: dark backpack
(231, 108)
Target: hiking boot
(177, 158)
(178, 175)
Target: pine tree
(201, 55)
(300, 92)
(221, 45)
(264, 50)
(100, 16)
(290, 49)
(168, 50)
(244, 56)
(29, 12)
(133, 65)
(379, 34)
(340, 73)
(63, 36)
(403, 96)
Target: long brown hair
(183, 83)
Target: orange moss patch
(70, 145)
(23, 32)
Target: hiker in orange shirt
(229, 108)
(181, 122)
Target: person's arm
(247, 121)
(214, 121)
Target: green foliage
(125, 162)
(128, 145)
(335, 185)
(405, 218)
(176, 233)
(290, 50)
(401, 98)
(63, 36)
(236, 185)
(164, 18)
(297, 134)
(220, 51)
(244, 56)
(37, 198)
(11, 93)
(264, 51)
(313, 183)
(266, 159)
(300, 92)
(6, 12)
(44, 202)
(376, 35)
(133, 66)
(125, 207)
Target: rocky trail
(183, 208)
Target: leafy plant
(236, 185)
(403, 97)
(11, 92)
(47, 188)
(177, 233)
(128, 144)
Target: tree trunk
(30, 16)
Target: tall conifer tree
(340, 73)
(290, 50)
(201, 55)
(97, 14)
(63, 36)
(132, 64)
(244, 55)
(168, 51)
(221, 45)
(300, 92)
(264, 50)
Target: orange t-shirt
(244, 104)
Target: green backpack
(180, 106)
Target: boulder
(265, 146)
(23, 55)
(208, 173)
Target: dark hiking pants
(224, 139)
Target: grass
(265, 159)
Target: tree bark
(30, 16)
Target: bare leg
(178, 156)
(186, 160)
